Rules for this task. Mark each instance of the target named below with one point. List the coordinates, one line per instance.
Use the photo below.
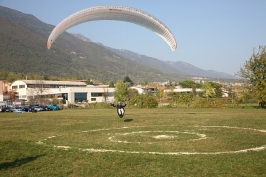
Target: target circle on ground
(163, 139)
(151, 137)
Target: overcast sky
(210, 34)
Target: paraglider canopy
(120, 13)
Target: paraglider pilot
(120, 108)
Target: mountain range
(171, 67)
(23, 50)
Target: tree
(160, 94)
(217, 89)
(3, 75)
(37, 77)
(120, 92)
(246, 95)
(255, 71)
(131, 94)
(111, 84)
(128, 81)
(89, 81)
(12, 95)
(77, 77)
(12, 77)
(39, 91)
(151, 102)
(105, 95)
(208, 90)
(186, 98)
(189, 84)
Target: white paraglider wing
(120, 13)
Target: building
(4, 93)
(179, 89)
(1, 91)
(144, 89)
(39, 91)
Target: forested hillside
(23, 50)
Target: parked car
(25, 108)
(32, 108)
(18, 111)
(53, 107)
(38, 108)
(7, 109)
(46, 108)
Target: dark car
(32, 109)
(26, 109)
(7, 109)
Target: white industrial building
(70, 91)
(179, 89)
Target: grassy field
(146, 142)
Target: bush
(210, 103)
(144, 101)
(151, 102)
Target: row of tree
(210, 91)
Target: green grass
(146, 142)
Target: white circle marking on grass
(202, 136)
(162, 136)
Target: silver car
(18, 111)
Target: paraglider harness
(120, 108)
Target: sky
(218, 35)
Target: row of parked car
(32, 108)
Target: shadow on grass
(128, 120)
(18, 162)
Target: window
(21, 86)
(65, 96)
(22, 96)
(14, 87)
(110, 94)
(96, 94)
(30, 86)
(93, 99)
(80, 96)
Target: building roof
(45, 82)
